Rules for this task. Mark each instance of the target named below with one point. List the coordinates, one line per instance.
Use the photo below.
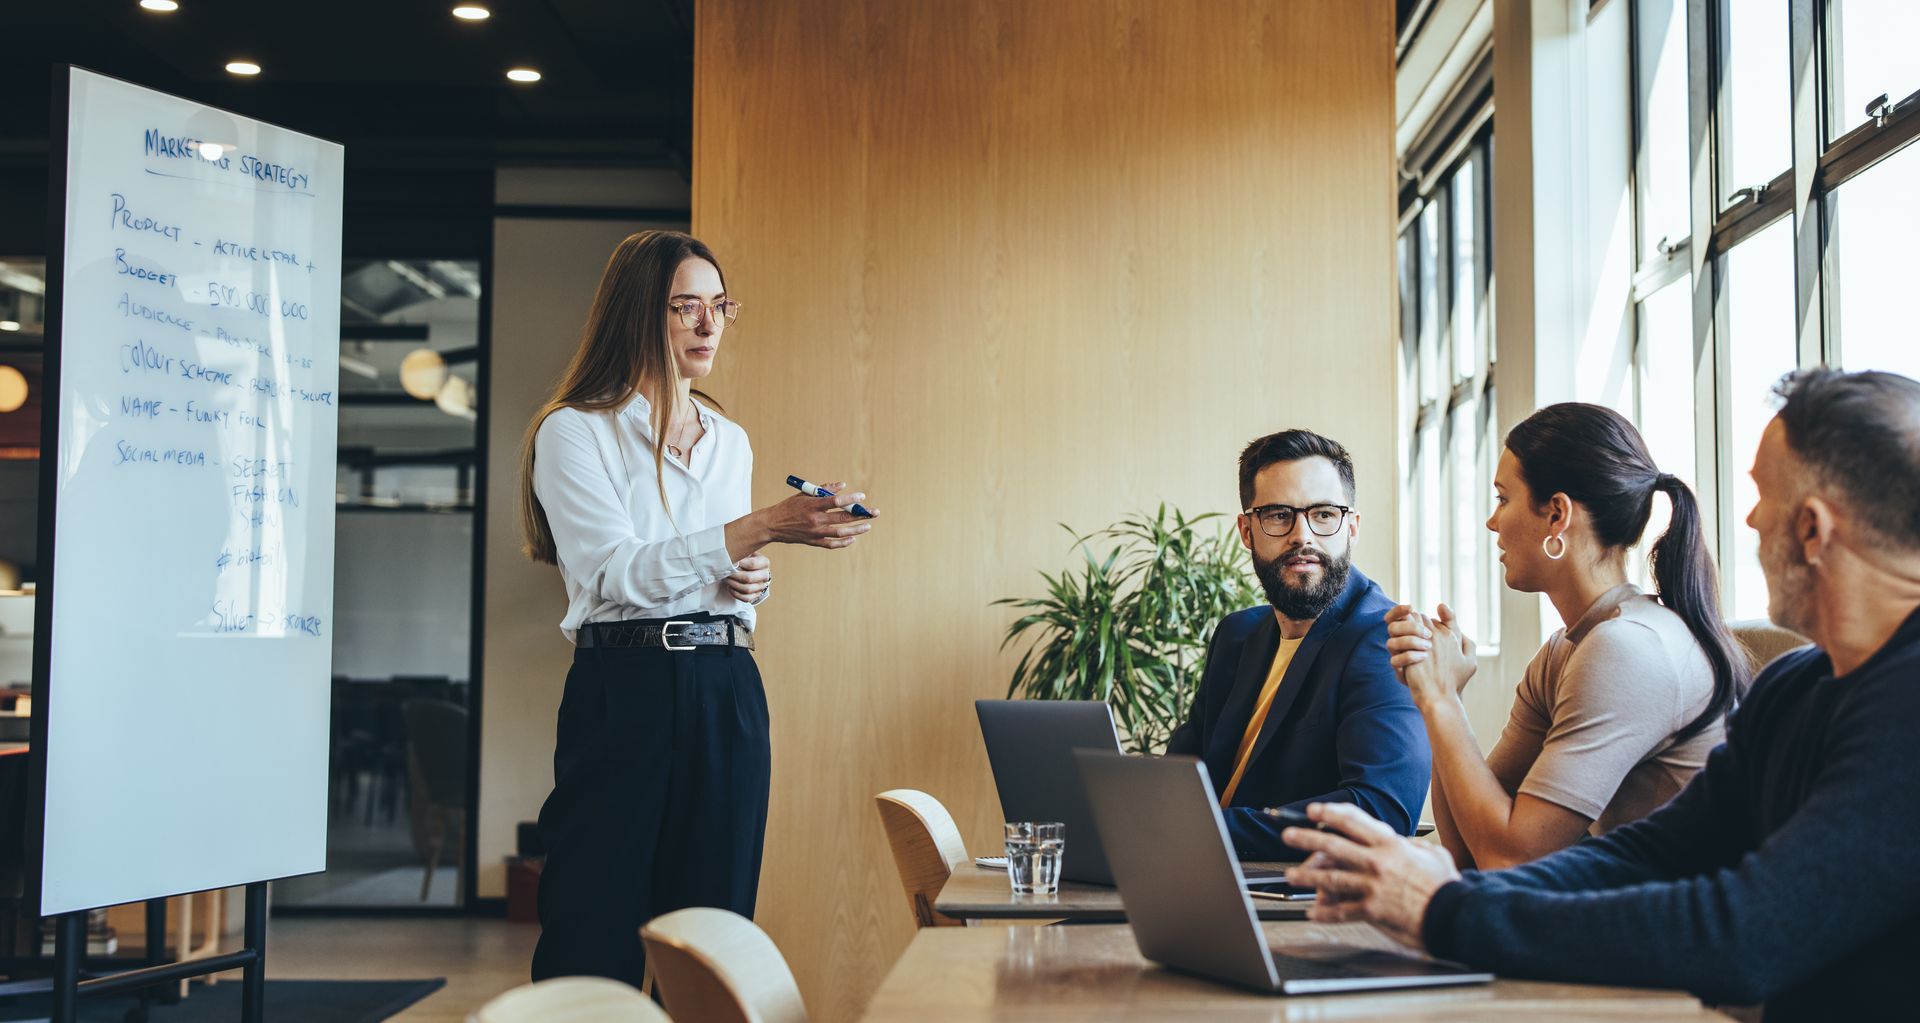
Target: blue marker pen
(812, 491)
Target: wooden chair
(1764, 640)
(571, 1000)
(926, 849)
(437, 781)
(717, 967)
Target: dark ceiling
(419, 98)
(401, 82)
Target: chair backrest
(927, 848)
(437, 736)
(571, 1000)
(717, 967)
(1764, 640)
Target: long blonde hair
(625, 341)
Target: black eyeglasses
(1276, 520)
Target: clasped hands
(1430, 654)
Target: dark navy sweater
(1787, 872)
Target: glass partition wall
(403, 585)
(22, 319)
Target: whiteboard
(188, 670)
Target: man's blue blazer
(1342, 727)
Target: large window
(1806, 192)
(1447, 360)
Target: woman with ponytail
(1619, 708)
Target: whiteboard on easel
(187, 673)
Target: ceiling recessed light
(160, 6)
(243, 67)
(523, 74)
(472, 12)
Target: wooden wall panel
(1007, 265)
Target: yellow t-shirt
(1281, 658)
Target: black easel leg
(253, 995)
(156, 932)
(157, 952)
(69, 947)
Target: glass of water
(1034, 849)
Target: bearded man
(1298, 703)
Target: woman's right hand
(816, 521)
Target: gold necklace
(690, 423)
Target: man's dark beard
(1303, 603)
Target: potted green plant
(1129, 624)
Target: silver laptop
(1030, 746)
(1184, 895)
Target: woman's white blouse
(621, 555)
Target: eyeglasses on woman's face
(689, 310)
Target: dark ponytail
(1684, 575)
(1594, 455)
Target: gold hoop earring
(1548, 551)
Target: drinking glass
(1034, 849)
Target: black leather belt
(676, 635)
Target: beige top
(1593, 721)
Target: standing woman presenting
(641, 495)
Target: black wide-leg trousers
(659, 802)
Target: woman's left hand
(750, 579)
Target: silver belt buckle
(667, 643)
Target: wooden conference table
(1095, 972)
(979, 893)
